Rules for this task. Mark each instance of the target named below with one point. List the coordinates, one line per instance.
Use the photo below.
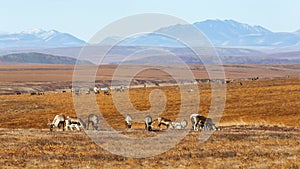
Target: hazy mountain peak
(39, 38)
(32, 31)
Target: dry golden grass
(259, 129)
(232, 147)
(265, 102)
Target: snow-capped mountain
(232, 33)
(223, 33)
(38, 38)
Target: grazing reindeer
(75, 120)
(200, 121)
(176, 125)
(128, 121)
(148, 123)
(70, 125)
(58, 121)
(107, 93)
(163, 121)
(96, 90)
(194, 123)
(179, 125)
(197, 121)
(209, 125)
(92, 118)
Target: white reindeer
(73, 122)
(179, 125)
(128, 121)
(58, 121)
(70, 125)
(148, 123)
(193, 121)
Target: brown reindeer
(164, 121)
(199, 121)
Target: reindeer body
(75, 120)
(209, 125)
(199, 121)
(164, 121)
(58, 121)
(179, 125)
(128, 121)
(193, 121)
(94, 120)
(148, 123)
(70, 125)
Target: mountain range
(236, 43)
(39, 38)
(221, 33)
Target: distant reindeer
(148, 123)
(209, 125)
(107, 93)
(58, 121)
(120, 89)
(75, 120)
(193, 121)
(199, 121)
(33, 93)
(94, 120)
(163, 121)
(179, 125)
(96, 90)
(70, 125)
(40, 92)
(128, 121)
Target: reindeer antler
(49, 122)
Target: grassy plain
(259, 129)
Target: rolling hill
(38, 58)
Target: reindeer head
(51, 127)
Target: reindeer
(96, 90)
(200, 121)
(163, 121)
(75, 120)
(107, 93)
(194, 123)
(58, 121)
(128, 121)
(179, 125)
(148, 123)
(209, 125)
(70, 125)
(92, 118)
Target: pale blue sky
(83, 18)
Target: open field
(232, 147)
(63, 73)
(25, 78)
(259, 129)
